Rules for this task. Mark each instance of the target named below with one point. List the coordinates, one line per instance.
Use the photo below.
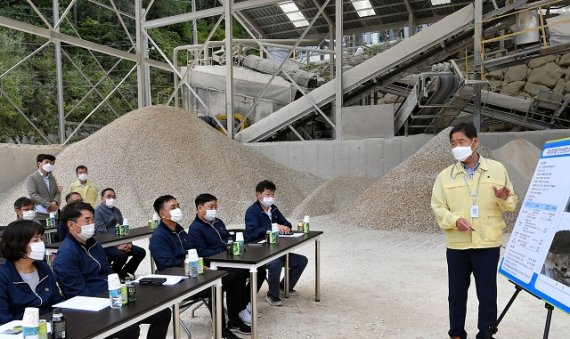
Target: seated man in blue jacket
(169, 245)
(258, 219)
(107, 217)
(209, 236)
(81, 267)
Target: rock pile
(547, 73)
(401, 199)
(333, 195)
(163, 150)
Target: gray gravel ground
(381, 284)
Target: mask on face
(268, 201)
(110, 203)
(82, 176)
(48, 167)
(37, 250)
(461, 153)
(29, 215)
(87, 232)
(211, 215)
(176, 215)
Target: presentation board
(537, 256)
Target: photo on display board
(557, 263)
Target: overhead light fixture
(363, 8)
(293, 13)
(439, 2)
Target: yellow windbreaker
(88, 192)
(451, 200)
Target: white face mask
(176, 215)
(461, 153)
(110, 203)
(29, 215)
(211, 215)
(37, 250)
(87, 232)
(268, 201)
(82, 176)
(48, 167)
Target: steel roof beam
(52, 35)
(206, 13)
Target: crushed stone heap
(400, 200)
(164, 150)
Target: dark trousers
(234, 284)
(297, 264)
(158, 329)
(118, 259)
(483, 264)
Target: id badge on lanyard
(474, 209)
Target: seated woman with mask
(25, 280)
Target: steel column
(338, 62)
(228, 9)
(141, 84)
(59, 74)
(477, 63)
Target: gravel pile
(333, 195)
(400, 200)
(520, 158)
(163, 150)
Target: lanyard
(471, 193)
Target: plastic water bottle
(193, 263)
(58, 324)
(239, 239)
(31, 323)
(115, 295)
(126, 226)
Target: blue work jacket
(168, 248)
(257, 222)
(16, 294)
(81, 269)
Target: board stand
(493, 329)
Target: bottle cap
(192, 254)
(114, 281)
(306, 218)
(125, 221)
(275, 227)
(31, 317)
(239, 236)
(155, 216)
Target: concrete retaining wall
(20, 160)
(372, 157)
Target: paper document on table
(84, 303)
(292, 235)
(170, 279)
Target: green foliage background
(31, 87)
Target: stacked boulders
(546, 73)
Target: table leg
(218, 313)
(176, 320)
(152, 265)
(317, 270)
(253, 296)
(286, 278)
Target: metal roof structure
(272, 23)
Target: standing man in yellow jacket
(468, 200)
(84, 186)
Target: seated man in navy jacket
(81, 267)
(169, 242)
(209, 236)
(107, 217)
(258, 219)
